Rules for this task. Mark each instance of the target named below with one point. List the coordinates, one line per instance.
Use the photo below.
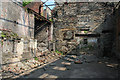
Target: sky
(49, 2)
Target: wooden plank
(68, 29)
(87, 35)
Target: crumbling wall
(16, 29)
(71, 17)
(18, 49)
(41, 34)
(42, 38)
(15, 18)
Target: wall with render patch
(15, 18)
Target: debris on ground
(66, 63)
(112, 65)
(23, 66)
(60, 68)
(71, 56)
(68, 59)
(77, 62)
(52, 64)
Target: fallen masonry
(65, 69)
(18, 68)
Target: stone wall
(22, 49)
(17, 25)
(41, 34)
(72, 17)
(15, 18)
(116, 44)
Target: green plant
(41, 14)
(1, 42)
(51, 20)
(14, 35)
(26, 2)
(61, 53)
(85, 32)
(36, 58)
(3, 35)
(26, 9)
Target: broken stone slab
(52, 64)
(71, 43)
(44, 68)
(64, 49)
(17, 69)
(52, 76)
(45, 61)
(112, 65)
(49, 56)
(66, 64)
(25, 67)
(60, 68)
(20, 65)
(5, 68)
(11, 69)
(83, 53)
(43, 44)
(7, 75)
(68, 59)
(14, 61)
(63, 43)
(31, 61)
(71, 56)
(74, 56)
(48, 59)
(44, 75)
(88, 58)
(78, 62)
(30, 65)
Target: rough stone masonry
(74, 18)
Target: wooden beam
(41, 17)
(87, 35)
(71, 29)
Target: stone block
(64, 49)
(20, 47)
(71, 43)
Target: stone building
(25, 33)
(22, 29)
(43, 25)
(76, 23)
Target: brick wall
(36, 6)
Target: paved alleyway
(91, 67)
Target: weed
(36, 58)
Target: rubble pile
(82, 58)
(17, 67)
